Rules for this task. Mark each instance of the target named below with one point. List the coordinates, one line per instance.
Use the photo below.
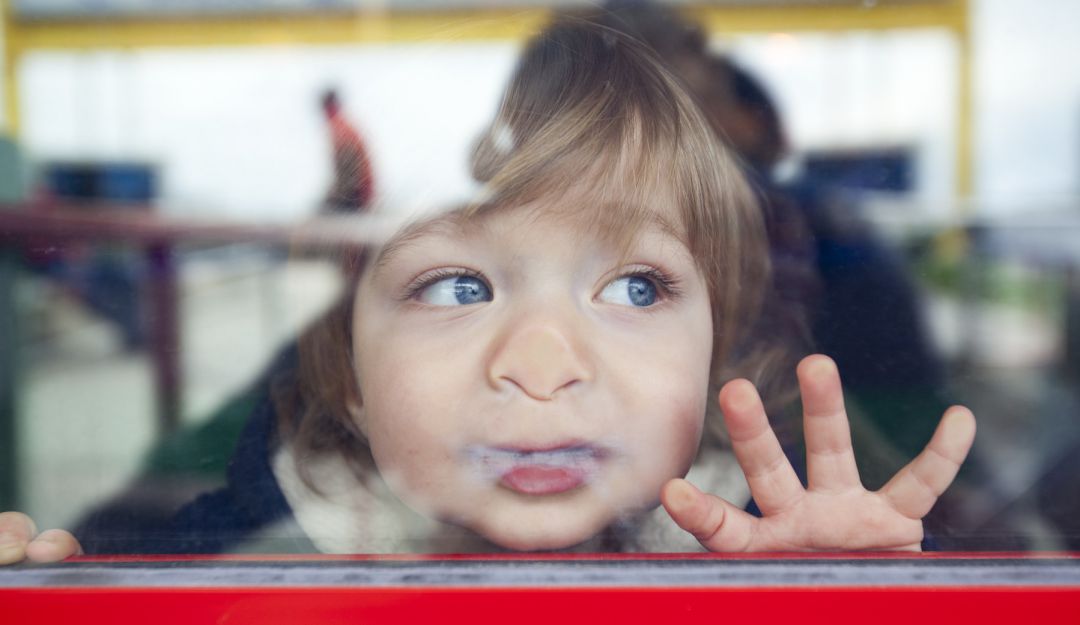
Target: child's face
(523, 378)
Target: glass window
(328, 295)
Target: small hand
(20, 541)
(834, 512)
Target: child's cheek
(686, 430)
(665, 418)
(409, 419)
(683, 409)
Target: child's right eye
(454, 290)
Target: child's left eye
(634, 290)
(455, 291)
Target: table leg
(165, 334)
(9, 343)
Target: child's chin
(531, 535)
(540, 542)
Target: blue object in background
(107, 182)
(888, 169)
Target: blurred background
(156, 155)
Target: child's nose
(540, 360)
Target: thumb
(717, 524)
(53, 546)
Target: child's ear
(354, 403)
(356, 412)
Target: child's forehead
(616, 223)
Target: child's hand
(20, 541)
(835, 512)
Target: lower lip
(542, 480)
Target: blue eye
(637, 291)
(456, 291)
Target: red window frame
(878, 589)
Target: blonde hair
(590, 105)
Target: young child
(540, 369)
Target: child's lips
(546, 471)
(539, 479)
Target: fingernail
(741, 396)
(685, 495)
(821, 367)
(46, 537)
(955, 422)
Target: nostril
(540, 362)
(532, 391)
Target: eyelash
(669, 286)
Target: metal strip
(869, 573)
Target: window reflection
(428, 315)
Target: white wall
(837, 89)
(1027, 90)
(865, 89)
(239, 131)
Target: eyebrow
(447, 222)
(454, 222)
(653, 220)
(664, 225)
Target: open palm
(834, 511)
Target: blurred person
(837, 288)
(353, 186)
(540, 370)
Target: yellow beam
(830, 17)
(371, 26)
(260, 30)
(10, 62)
(965, 125)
